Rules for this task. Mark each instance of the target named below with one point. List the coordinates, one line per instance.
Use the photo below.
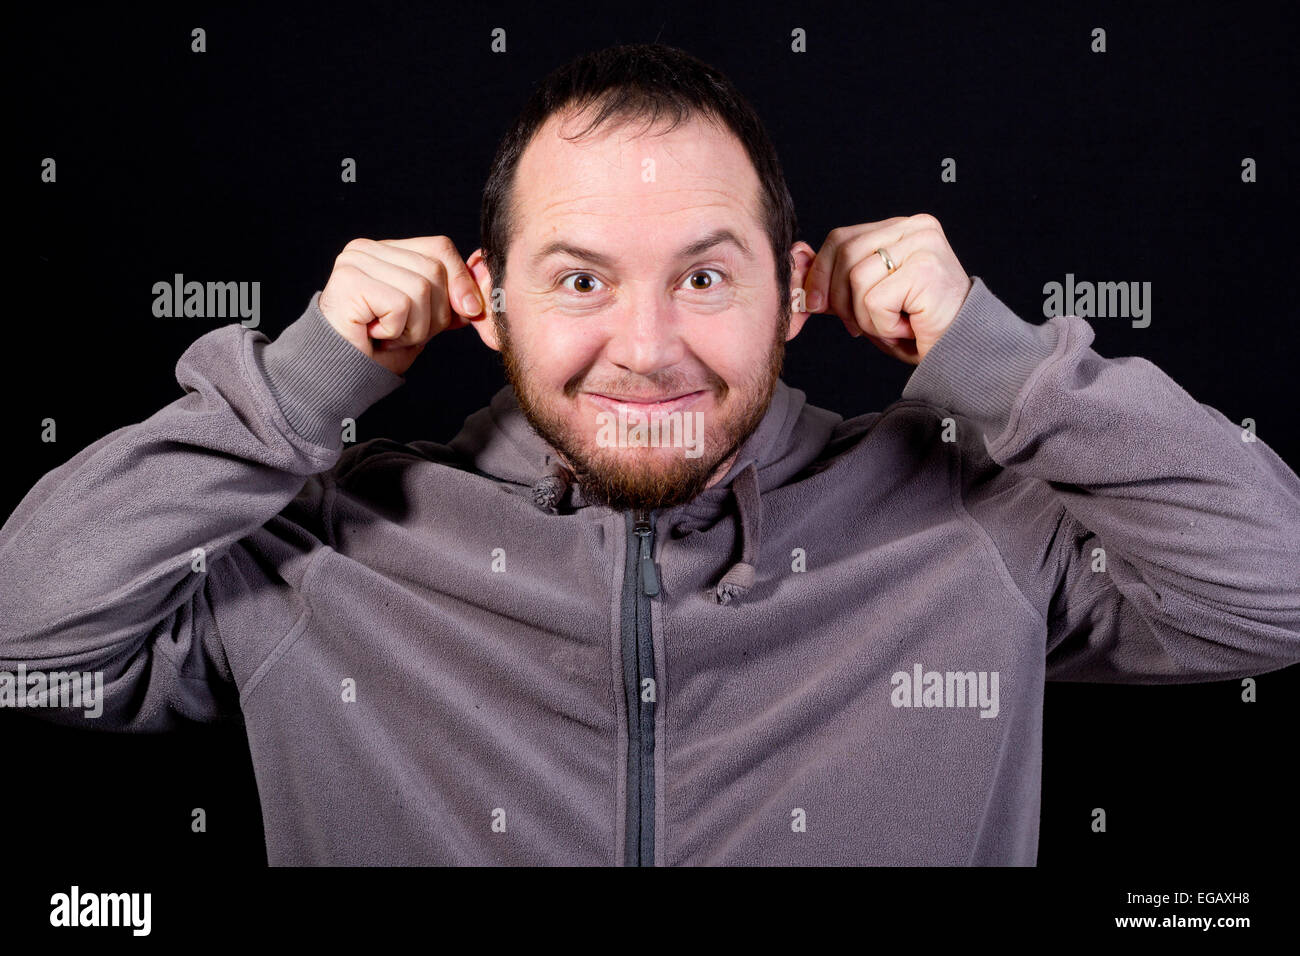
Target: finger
(817, 283)
(389, 307)
(861, 255)
(839, 299)
(418, 287)
(881, 304)
(462, 291)
(429, 256)
(850, 259)
(819, 278)
(870, 271)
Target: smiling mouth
(648, 404)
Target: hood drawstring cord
(740, 576)
(550, 489)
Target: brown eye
(705, 275)
(588, 282)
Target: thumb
(463, 289)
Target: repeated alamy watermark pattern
(208, 300)
(1102, 300)
(76, 908)
(923, 688)
(73, 689)
(636, 430)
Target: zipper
(640, 583)
(649, 576)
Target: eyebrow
(716, 238)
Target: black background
(1122, 166)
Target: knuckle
(861, 248)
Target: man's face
(640, 271)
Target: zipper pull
(649, 576)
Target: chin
(644, 477)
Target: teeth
(650, 401)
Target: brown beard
(661, 488)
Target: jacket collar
(498, 441)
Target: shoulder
(388, 455)
(908, 429)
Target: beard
(650, 478)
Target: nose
(645, 335)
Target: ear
(486, 326)
(802, 257)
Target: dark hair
(628, 82)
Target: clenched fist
(903, 312)
(389, 297)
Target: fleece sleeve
(1168, 538)
(110, 563)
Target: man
(767, 636)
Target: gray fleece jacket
(442, 654)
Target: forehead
(625, 178)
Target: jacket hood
(499, 442)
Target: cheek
(733, 356)
(554, 356)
